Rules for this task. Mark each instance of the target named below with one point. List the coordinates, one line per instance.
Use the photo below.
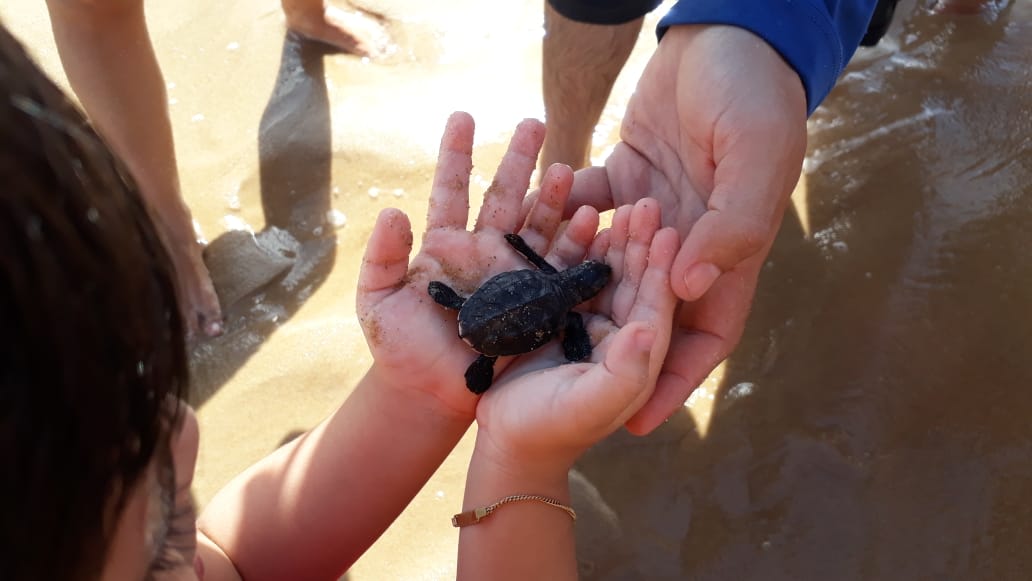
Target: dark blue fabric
(816, 37)
(604, 11)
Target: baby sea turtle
(518, 311)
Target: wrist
(498, 472)
(416, 403)
(724, 40)
(749, 64)
(743, 45)
(520, 539)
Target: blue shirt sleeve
(816, 37)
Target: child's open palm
(541, 409)
(413, 340)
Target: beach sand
(872, 425)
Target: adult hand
(716, 132)
(543, 412)
(413, 340)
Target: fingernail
(214, 329)
(699, 278)
(644, 339)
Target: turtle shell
(514, 312)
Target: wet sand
(872, 425)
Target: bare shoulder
(215, 563)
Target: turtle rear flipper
(480, 374)
(576, 342)
(444, 295)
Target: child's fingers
(653, 307)
(618, 238)
(528, 202)
(545, 215)
(604, 394)
(386, 256)
(501, 207)
(614, 257)
(694, 352)
(600, 246)
(449, 195)
(571, 246)
(644, 222)
(655, 301)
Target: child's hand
(543, 412)
(413, 340)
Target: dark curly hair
(91, 342)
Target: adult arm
(716, 132)
(816, 37)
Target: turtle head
(586, 279)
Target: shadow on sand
(263, 279)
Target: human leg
(107, 54)
(348, 29)
(580, 63)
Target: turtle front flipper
(480, 374)
(444, 295)
(576, 342)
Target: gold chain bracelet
(472, 517)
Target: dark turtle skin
(518, 311)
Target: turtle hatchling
(518, 311)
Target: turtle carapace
(518, 311)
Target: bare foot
(350, 30)
(197, 299)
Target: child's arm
(539, 417)
(310, 509)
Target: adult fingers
(706, 332)
(503, 198)
(752, 183)
(449, 195)
(695, 354)
(590, 188)
(717, 243)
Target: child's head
(91, 351)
